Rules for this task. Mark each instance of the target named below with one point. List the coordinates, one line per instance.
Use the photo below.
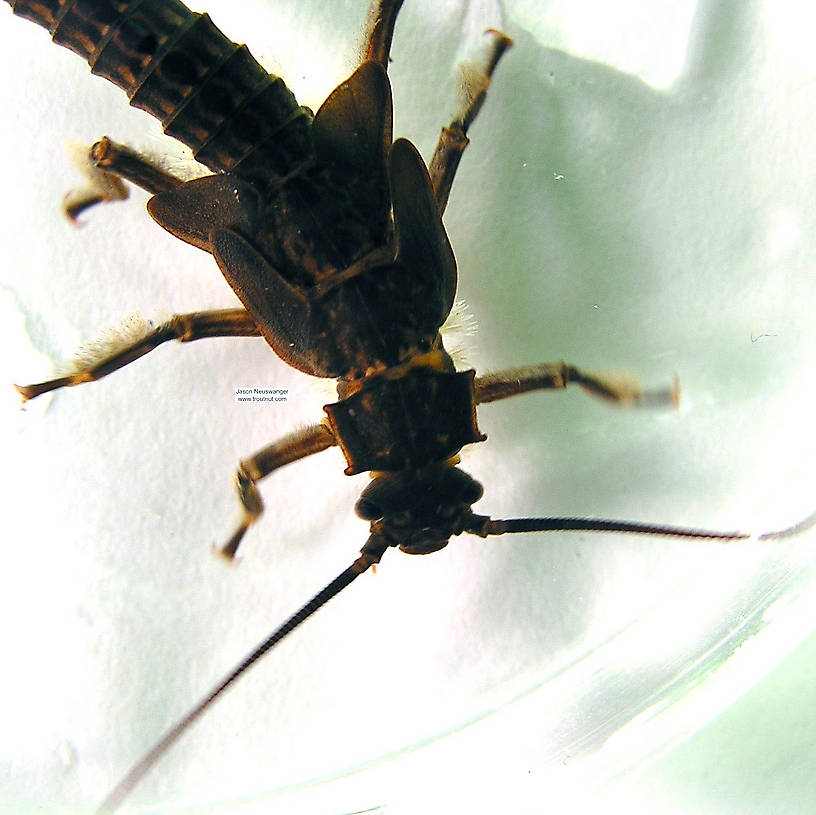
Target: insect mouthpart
(418, 510)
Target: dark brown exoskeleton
(331, 236)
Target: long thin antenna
(483, 526)
(371, 553)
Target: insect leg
(475, 78)
(120, 160)
(620, 388)
(108, 356)
(106, 164)
(382, 16)
(290, 448)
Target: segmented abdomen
(207, 91)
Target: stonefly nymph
(330, 241)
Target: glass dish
(596, 219)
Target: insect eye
(471, 493)
(368, 510)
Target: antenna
(375, 547)
(483, 526)
(370, 554)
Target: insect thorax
(407, 421)
(406, 426)
(353, 322)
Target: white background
(645, 205)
